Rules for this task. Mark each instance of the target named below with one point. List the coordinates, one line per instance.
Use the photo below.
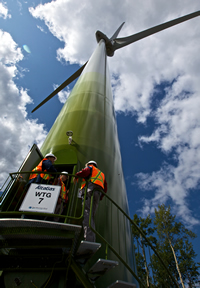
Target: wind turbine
(115, 43)
(88, 118)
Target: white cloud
(174, 183)
(137, 69)
(179, 129)
(14, 125)
(4, 11)
(62, 95)
(41, 29)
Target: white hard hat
(50, 155)
(92, 162)
(64, 173)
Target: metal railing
(15, 188)
(123, 260)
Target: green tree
(141, 261)
(161, 275)
(176, 236)
(171, 240)
(188, 267)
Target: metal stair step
(26, 233)
(122, 284)
(86, 250)
(100, 268)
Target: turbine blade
(121, 42)
(62, 86)
(117, 32)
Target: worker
(45, 165)
(63, 197)
(96, 180)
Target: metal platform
(25, 227)
(14, 233)
(122, 284)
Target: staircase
(85, 251)
(50, 248)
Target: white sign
(41, 198)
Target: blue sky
(155, 86)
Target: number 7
(40, 200)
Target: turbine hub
(108, 42)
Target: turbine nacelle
(108, 42)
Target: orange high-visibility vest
(39, 168)
(63, 192)
(97, 178)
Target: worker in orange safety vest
(96, 180)
(63, 197)
(45, 165)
